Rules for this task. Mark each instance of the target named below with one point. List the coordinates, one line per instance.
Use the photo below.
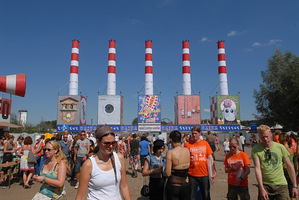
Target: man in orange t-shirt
(200, 153)
(38, 148)
(276, 135)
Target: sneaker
(77, 185)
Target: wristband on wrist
(295, 186)
(44, 180)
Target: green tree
(14, 119)
(135, 121)
(46, 126)
(278, 97)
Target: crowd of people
(185, 171)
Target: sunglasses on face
(47, 149)
(82, 134)
(107, 144)
(232, 147)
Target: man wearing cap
(268, 158)
(38, 147)
(81, 154)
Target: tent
(48, 135)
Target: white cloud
(271, 42)
(204, 39)
(274, 42)
(232, 33)
(256, 44)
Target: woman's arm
(85, 175)
(20, 152)
(123, 185)
(146, 171)
(168, 163)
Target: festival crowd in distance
(179, 167)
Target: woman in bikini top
(177, 166)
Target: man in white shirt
(242, 139)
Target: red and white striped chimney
(73, 85)
(149, 83)
(111, 81)
(223, 86)
(186, 69)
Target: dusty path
(218, 190)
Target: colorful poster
(149, 109)
(71, 110)
(228, 109)
(187, 109)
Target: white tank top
(102, 184)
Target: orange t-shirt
(39, 153)
(276, 138)
(237, 161)
(294, 145)
(199, 152)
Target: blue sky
(36, 38)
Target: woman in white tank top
(103, 176)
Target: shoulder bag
(31, 158)
(145, 188)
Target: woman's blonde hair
(59, 155)
(226, 139)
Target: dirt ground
(218, 190)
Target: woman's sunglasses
(47, 149)
(107, 144)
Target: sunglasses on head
(47, 149)
(107, 144)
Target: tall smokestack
(73, 86)
(186, 69)
(149, 83)
(111, 81)
(223, 86)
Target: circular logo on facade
(109, 108)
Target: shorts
(79, 162)
(279, 192)
(134, 160)
(235, 192)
